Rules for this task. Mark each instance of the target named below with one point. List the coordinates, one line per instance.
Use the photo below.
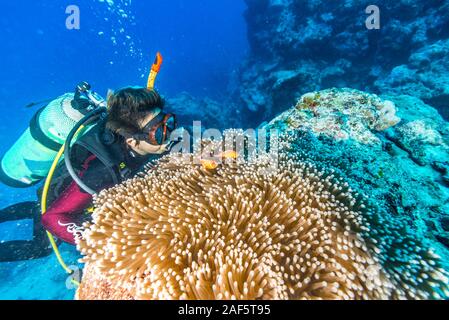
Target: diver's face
(143, 147)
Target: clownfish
(212, 164)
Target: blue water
(203, 42)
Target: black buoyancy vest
(121, 162)
(116, 160)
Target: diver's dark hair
(127, 107)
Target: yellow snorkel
(155, 68)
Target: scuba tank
(29, 160)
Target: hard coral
(343, 114)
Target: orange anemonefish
(212, 165)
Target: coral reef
(314, 45)
(337, 218)
(402, 167)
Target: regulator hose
(88, 119)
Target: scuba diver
(122, 136)
(135, 132)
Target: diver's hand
(167, 147)
(162, 149)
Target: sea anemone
(241, 232)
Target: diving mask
(158, 130)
